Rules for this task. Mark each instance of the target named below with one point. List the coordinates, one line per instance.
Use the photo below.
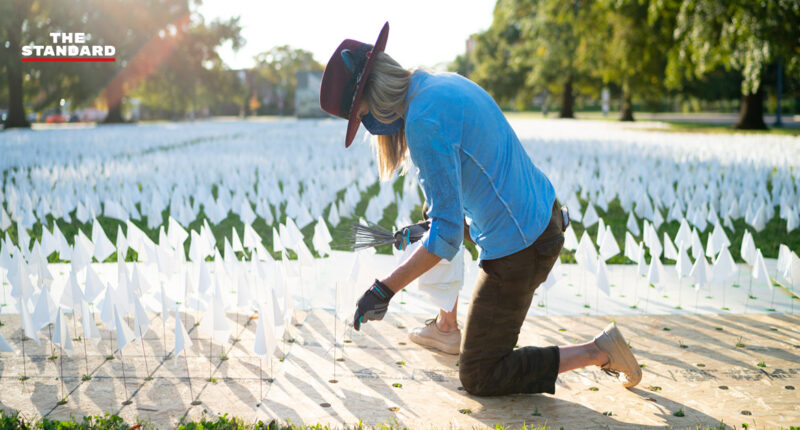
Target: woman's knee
(474, 381)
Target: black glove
(373, 304)
(410, 234)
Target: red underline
(69, 59)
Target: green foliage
(740, 34)
(647, 49)
(499, 64)
(193, 77)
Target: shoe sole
(435, 344)
(623, 355)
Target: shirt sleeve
(436, 156)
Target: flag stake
(749, 293)
(146, 367)
(22, 340)
(723, 294)
(50, 335)
(75, 322)
(546, 303)
(124, 379)
(771, 300)
(189, 378)
(164, 335)
(61, 377)
(696, 298)
(85, 358)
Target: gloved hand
(373, 304)
(410, 234)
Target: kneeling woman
(470, 165)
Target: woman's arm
(420, 262)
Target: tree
(551, 41)
(634, 41)
(194, 75)
(144, 33)
(745, 35)
(17, 23)
(498, 66)
(276, 70)
(536, 46)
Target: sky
(421, 32)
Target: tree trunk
(113, 96)
(16, 104)
(751, 114)
(566, 100)
(626, 107)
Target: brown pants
(489, 365)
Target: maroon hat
(344, 79)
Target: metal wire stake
(124, 378)
(85, 358)
(164, 335)
(696, 299)
(189, 378)
(146, 367)
(772, 300)
(63, 390)
(22, 340)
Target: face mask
(378, 128)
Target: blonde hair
(385, 93)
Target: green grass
(12, 420)
(674, 125)
(705, 127)
(768, 240)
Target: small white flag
(701, 275)
(182, 339)
(601, 278)
(4, 345)
(123, 332)
(760, 269)
(61, 333)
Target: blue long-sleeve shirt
(470, 162)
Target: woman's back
(454, 125)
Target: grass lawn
(11, 420)
(673, 124)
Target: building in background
(306, 99)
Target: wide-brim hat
(344, 79)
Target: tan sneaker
(448, 342)
(621, 362)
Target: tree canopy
(646, 49)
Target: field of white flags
(223, 218)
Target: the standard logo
(69, 47)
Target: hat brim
(353, 121)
